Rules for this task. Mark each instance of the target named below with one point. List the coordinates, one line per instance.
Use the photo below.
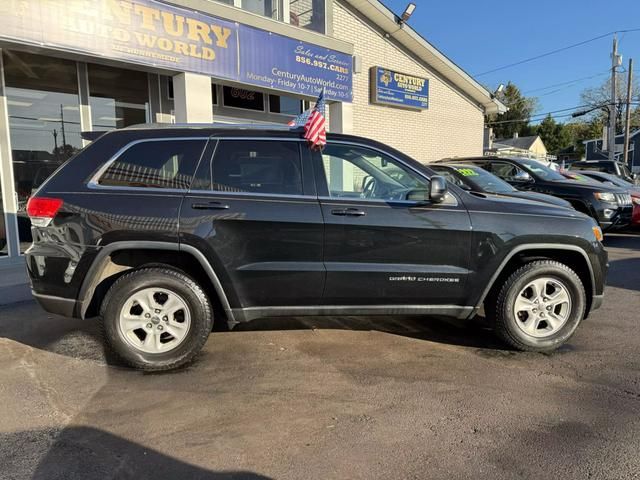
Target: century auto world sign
(153, 33)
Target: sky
(481, 35)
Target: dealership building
(68, 66)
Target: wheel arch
(118, 257)
(571, 255)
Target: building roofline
(631, 135)
(388, 21)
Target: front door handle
(209, 206)
(349, 212)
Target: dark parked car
(618, 169)
(160, 230)
(607, 178)
(476, 179)
(610, 206)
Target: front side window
(359, 172)
(625, 171)
(155, 164)
(509, 172)
(542, 170)
(269, 167)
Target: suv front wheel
(540, 306)
(156, 318)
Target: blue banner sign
(153, 33)
(399, 89)
(294, 66)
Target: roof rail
(243, 126)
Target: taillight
(42, 210)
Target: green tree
(554, 135)
(516, 119)
(581, 130)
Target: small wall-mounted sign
(399, 89)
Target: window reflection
(118, 97)
(44, 122)
(308, 14)
(285, 105)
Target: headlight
(605, 197)
(635, 200)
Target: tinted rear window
(271, 167)
(593, 167)
(155, 164)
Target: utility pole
(611, 147)
(64, 137)
(627, 120)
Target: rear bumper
(58, 305)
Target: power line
(543, 115)
(568, 82)
(558, 50)
(504, 122)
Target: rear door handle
(209, 206)
(349, 212)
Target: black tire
(196, 300)
(506, 322)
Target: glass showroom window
(266, 8)
(118, 97)
(285, 105)
(44, 122)
(309, 14)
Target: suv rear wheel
(540, 306)
(156, 318)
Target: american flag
(314, 123)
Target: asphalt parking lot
(325, 398)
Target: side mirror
(522, 177)
(437, 189)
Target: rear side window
(271, 167)
(155, 164)
(593, 167)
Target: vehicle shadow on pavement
(88, 453)
(627, 274)
(630, 240)
(82, 339)
(433, 329)
(29, 325)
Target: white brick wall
(451, 126)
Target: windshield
(540, 170)
(483, 181)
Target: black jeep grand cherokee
(159, 230)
